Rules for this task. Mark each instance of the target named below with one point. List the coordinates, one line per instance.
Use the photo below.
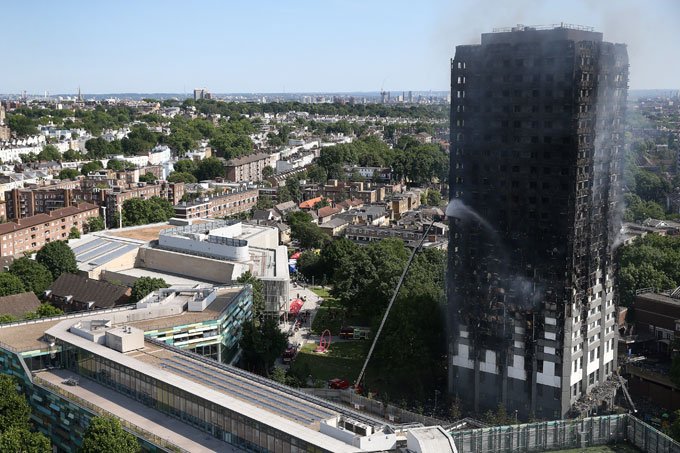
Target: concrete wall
(196, 245)
(197, 267)
(125, 261)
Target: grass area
(343, 360)
(321, 292)
(618, 448)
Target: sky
(265, 46)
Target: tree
(45, 310)
(262, 345)
(91, 167)
(95, 224)
(115, 164)
(71, 155)
(294, 189)
(49, 153)
(68, 173)
(21, 125)
(179, 176)
(137, 211)
(309, 265)
(434, 197)
(15, 414)
(33, 275)
(309, 235)
(267, 172)
(106, 435)
(74, 233)
(58, 258)
(148, 178)
(25, 441)
(10, 284)
(209, 168)
(258, 291)
(185, 166)
(143, 286)
(14, 410)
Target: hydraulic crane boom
(389, 307)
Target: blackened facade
(536, 148)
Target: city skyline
(299, 47)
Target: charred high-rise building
(537, 119)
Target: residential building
(216, 206)
(31, 233)
(537, 118)
(410, 234)
(247, 168)
(404, 202)
(71, 292)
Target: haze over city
(298, 46)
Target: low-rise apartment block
(248, 168)
(31, 233)
(228, 204)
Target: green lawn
(328, 317)
(321, 292)
(344, 360)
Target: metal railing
(137, 431)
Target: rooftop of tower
(524, 33)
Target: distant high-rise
(201, 93)
(536, 150)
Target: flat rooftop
(146, 233)
(26, 336)
(236, 390)
(212, 311)
(246, 390)
(168, 428)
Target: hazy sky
(293, 46)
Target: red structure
(324, 341)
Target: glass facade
(220, 422)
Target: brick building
(228, 204)
(31, 233)
(247, 168)
(27, 202)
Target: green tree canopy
(185, 166)
(90, 167)
(95, 224)
(258, 292)
(179, 176)
(262, 345)
(10, 284)
(143, 286)
(137, 211)
(33, 275)
(25, 441)
(209, 168)
(106, 435)
(21, 125)
(14, 410)
(58, 258)
(74, 233)
(72, 155)
(49, 153)
(68, 173)
(148, 178)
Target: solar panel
(108, 247)
(113, 255)
(88, 246)
(278, 402)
